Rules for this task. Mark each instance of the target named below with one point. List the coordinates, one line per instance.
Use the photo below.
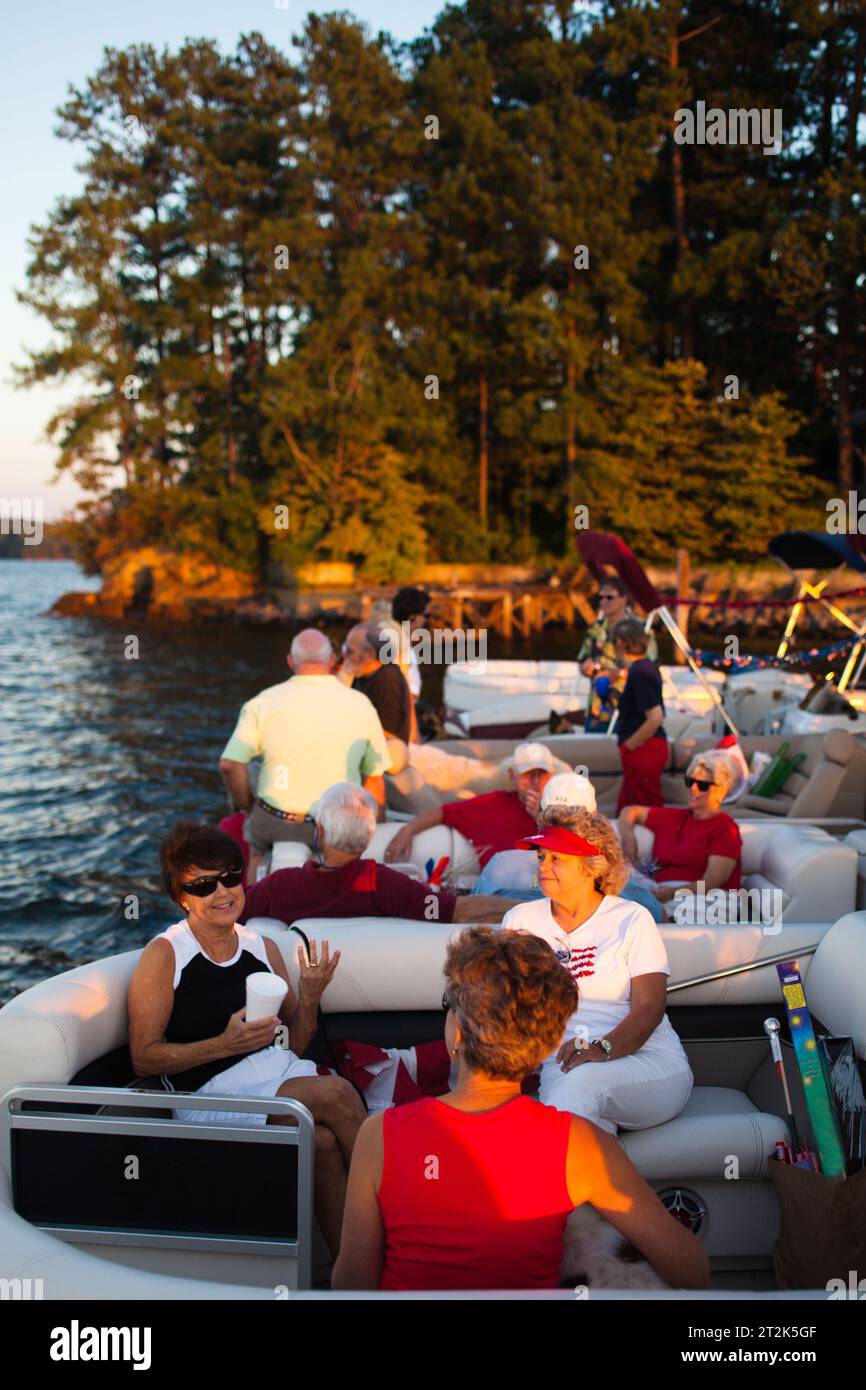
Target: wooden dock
(513, 610)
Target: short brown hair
(609, 867)
(613, 581)
(513, 999)
(631, 632)
(194, 842)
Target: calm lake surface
(100, 755)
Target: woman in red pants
(643, 748)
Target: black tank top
(206, 994)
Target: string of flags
(801, 661)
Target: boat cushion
(835, 982)
(289, 854)
(716, 1125)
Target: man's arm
(400, 847)
(482, 907)
(237, 782)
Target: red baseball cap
(561, 841)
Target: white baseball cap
(530, 755)
(570, 789)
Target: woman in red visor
(621, 1064)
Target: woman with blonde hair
(472, 1190)
(621, 1063)
(697, 847)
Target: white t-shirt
(620, 940)
(412, 672)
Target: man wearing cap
(494, 821)
(513, 873)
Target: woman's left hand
(315, 974)
(570, 1055)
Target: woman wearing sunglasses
(695, 844)
(187, 1001)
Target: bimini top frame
(818, 550)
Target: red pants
(642, 770)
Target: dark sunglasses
(699, 782)
(604, 598)
(203, 887)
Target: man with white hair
(495, 820)
(345, 885)
(310, 731)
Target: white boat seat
(857, 838)
(433, 844)
(288, 854)
(811, 788)
(716, 1125)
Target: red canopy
(599, 548)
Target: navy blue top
(643, 691)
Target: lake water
(101, 754)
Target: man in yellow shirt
(310, 732)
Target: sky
(47, 47)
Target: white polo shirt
(310, 731)
(620, 940)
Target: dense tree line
(393, 303)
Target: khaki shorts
(261, 829)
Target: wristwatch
(605, 1044)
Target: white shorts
(261, 1074)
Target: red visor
(561, 841)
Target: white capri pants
(636, 1092)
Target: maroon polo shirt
(493, 822)
(361, 888)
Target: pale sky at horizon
(49, 46)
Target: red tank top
(474, 1201)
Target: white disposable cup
(265, 994)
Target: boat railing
(95, 1165)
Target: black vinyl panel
(702, 1022)
(397, 1029)
(185, 1186)
(112, 1069)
